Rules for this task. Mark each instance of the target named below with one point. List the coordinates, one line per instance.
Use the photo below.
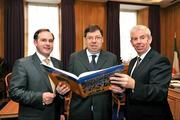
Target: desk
(174, 102)
(10, 110)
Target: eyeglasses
(92, 38)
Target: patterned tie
(138, 61)
(47, 61)
(93, 62)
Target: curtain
(14, 31)
(154, 26)
(113, 29)
(68, 30)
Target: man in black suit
(148, 80)
(30, 86)
(97, 106)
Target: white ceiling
(162, 3)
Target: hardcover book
(87, 83)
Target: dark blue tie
(93, 62)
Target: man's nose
(48, 42)
(94, 39)
(139, 40)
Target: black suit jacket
(149, 99)
(29, 81)
(101, 103)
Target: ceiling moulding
(162, 3)
(45, 1)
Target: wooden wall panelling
(142, 16)
(2, 28)
(177, 25)
(162, 31)
(79, 25)
(169, 32)
(89, 13)
(170, 23)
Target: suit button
(92, 108)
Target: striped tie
(47, 61)
(138, 61)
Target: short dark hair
(92, 28)
(41, 30)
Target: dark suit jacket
(149, 99)
(80, 108)
(29, 81)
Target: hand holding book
(120, 82)
(87, 83)
(62, 87)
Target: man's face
(140, 41)
(94, 41)
(44, 43)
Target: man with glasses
(97, 106)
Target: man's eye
(43, 40)
(134, 39)
(142, 37)
(89, 38)
(98, 38)
(51, 40)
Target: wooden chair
(10, 110)
(7, 81)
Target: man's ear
(102, 40)
(150, 39)
(35, 42)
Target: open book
(87, 83)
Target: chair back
(7, 81)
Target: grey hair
(141, 27)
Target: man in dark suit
(30, 86)
(97, 106)
(148, 80)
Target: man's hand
(48, 97)
(123, 80)
(62, 88)
(116, 89)
(62, 117)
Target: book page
(88, 73)
(59, 71)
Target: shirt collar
(143, 55)
(41, 57)
(90, 54)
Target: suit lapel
(131, 64)
(143, 63)
(55, 63)
(101, 60)
(84, 60)
(42, 71)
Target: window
(43, 16)
(128, 19)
